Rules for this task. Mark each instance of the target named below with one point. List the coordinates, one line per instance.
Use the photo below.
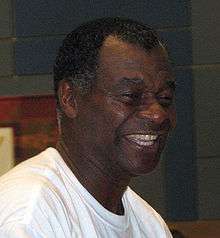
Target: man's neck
(107, 187)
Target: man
(115, 91)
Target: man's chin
(138, 160)
(144, 168)
(139, 164)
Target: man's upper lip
(156, 133)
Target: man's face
(126, 119)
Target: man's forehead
(117, 54)
(113, 40)
(114, 48)
(122, 64)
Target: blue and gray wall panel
(31, 32)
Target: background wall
(31, 31)
(206, 71)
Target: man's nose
(154, 113)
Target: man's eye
(132, 97)
(165, 101)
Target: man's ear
(67, 98)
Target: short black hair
(77, 58)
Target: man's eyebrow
(127, 81)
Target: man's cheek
(116, 108)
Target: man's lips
(149, 141)
(142, 139)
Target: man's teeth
(144, 140)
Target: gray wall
(206, 72)
(184, 186)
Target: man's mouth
(142, 140)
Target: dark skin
(119, 130)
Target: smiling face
(126, 119)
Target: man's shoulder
(146, 215)
(27, 186)
(141, 207)
(37, 165)
(138, 203)
(37, 169)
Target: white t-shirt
(41, 198)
